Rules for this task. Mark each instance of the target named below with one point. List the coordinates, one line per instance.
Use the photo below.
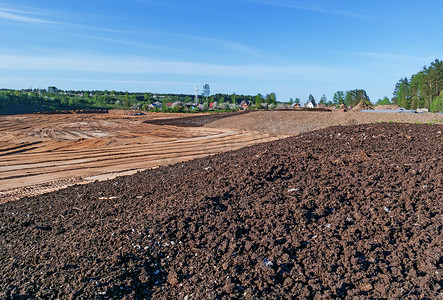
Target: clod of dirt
(173, 278)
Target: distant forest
(53, 99)
(423, 90)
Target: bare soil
(195, 120)
(345, 212)
(46, 152)
(362, 106)
(387, 107)
(294, 122)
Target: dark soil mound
(195, 120)
(345, 212)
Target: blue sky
(292, 48)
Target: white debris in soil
(268, 263)
(386, 209)
(293, 190)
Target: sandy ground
(296, 122)
(41, 153)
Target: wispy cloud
(22, 16)
(226, 45)
(87, 80)
(313, 6)
(128, 43)
(142, 65)
(389, 57)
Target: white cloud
(142, 65)
(309, 6)
(13, 80)
(227, 45)
(17, 16)
(392, 56)
(128, 43)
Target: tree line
(53, 99)
(350, 98)
(423, 90)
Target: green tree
(258, 101)
(384, 101)
(437, 104)
(356, 96)
(147, 97)
(206, 91)
(233, 99)
(402, 93)
(271, 98)
(52, 89)
(164, 106)
(422, 89)
(323, 100)
(126, 99)
(416, 86)
(338, 98)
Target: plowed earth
(46, 152)
(345, 212)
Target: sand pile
(387, 107)
(343, 107)
(362, 106)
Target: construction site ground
(46, 152)
(346, 212)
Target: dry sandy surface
(296, 122)
(42, 153)
(46, 152)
